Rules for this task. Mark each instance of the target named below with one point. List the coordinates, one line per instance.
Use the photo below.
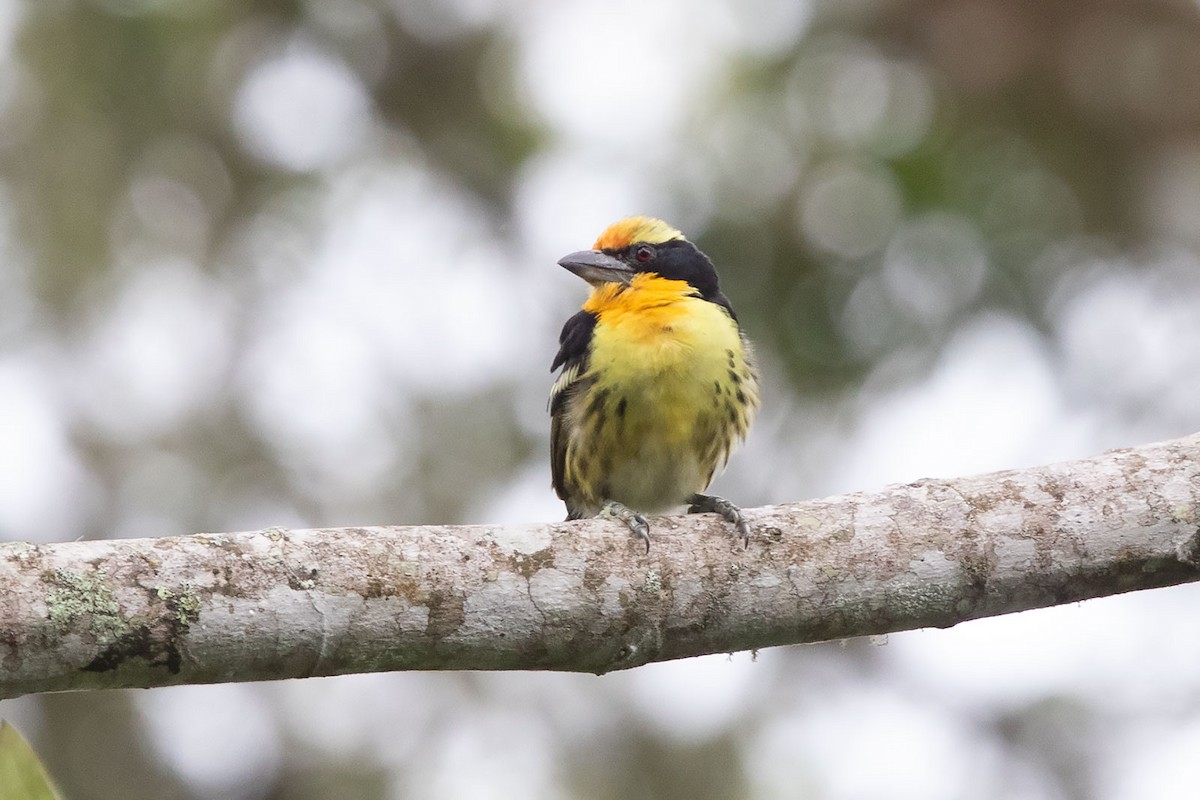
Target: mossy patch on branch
(76, 596)
(84, 602)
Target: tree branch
(583, 596)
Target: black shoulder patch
(574, 340)
(720, 299)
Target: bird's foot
(710, 503)
(636, 523)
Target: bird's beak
(596, 267)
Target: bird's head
(641, 245)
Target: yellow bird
(658, 383)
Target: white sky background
(333, 356)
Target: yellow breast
(677, 385)
(658, 341)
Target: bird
(657, 385)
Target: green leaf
(22, 776)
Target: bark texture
(584, 596)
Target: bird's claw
(710, 503)
(637, 524)
(743, 529)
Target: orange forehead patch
(630, 230)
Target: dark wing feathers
(574, 340)
(574, 344)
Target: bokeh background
(293, 263)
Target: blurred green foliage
(21, 774)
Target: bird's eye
(643, 253)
